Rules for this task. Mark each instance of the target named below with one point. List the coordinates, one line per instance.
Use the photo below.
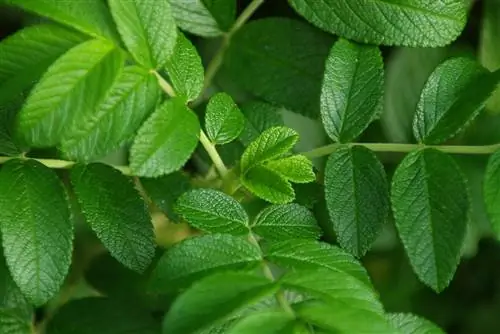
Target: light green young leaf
(185, 69)
(12, 322)
(147, 28)
(352, 89)
(408, 323)
(288, 221)
(296, 168)
(103, 316)
(405, 22)
(166, 140)
(281, 61)
(259, 116)
(200, 256)
(234, 291)
(207, 18)
(25, 55)
(491, 190)
(103, 129)
(117, 215)
(271, 144)
(76, 82)
(268, 185)
(357, 197)
(164, 191)
(454, 95)
(302, 254)
(271, 322)
(37, 233)
(223, 119)
(90, 16)
(213, 211)
(489, 54)
(431, 209)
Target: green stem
(214, 155)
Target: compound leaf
(411, 324)
(213, 211)
(101, 130)
(357, 197)
(166, 140)
(431, 209)
(201, 256)
(117, 215)
(223, 119)
(453, 95)
(76, 82)
(352, 89)
(403, 22)
(259, 116)
(147, 28)
(491, 190)
(235, 291)
(296, 168)
(37, 233)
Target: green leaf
(268, 185)
(200, 256)
(103, 316)
(271, 144)
(118, 215)
(213, 211)
(223, 119)
(411, 324)
(402, 95)
(491, 190)
(99, 131)
(288, 221)
(270, 322)
(185, 69)
(431, 209)
(25, 55)
(301, 254)
(8, 112)
(166, 140)
(338, 317)
(37, 233)
(11, 322)
(147, 28)
(234, 292)
(76, 82)
(489, 54)
(164, 191)
(281, 61)
(357, 197)
(207, 18)
(402, 22)
(453, 95)
(90, 16)
(259, 116)
(296, 168)
(11, 298)
(352, 89)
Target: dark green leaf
(233, 291)
(200, 256)
(281, 61)
(8, 111)
(213, 211)
(37, 233)
(12, 322)
(10, 296)
(357, 197)
(492, 191)
(185, 69)
(289, 221)
(411, 324)
(147, 28)
(431, 209)
(101, 130)
(402, 22)
(76, 82)
(117, 215)
(268, 185)
(489, 52)
(207, 18)
(309, 254)
(223, 119)
(259, 116)
(90, 16)
(270, 322)
(166, 140)
(454, 94)
(352, 89)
